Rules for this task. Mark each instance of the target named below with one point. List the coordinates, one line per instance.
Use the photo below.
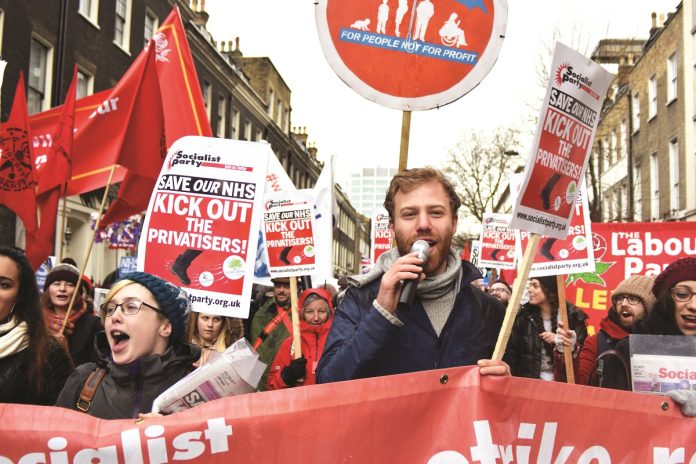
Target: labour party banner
(563, 142)
(288, 227)
(571, 255)
(381, 235)
(201, 228)
(497, 242)
(410, 55)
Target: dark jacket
(17, 387)
(127, 390)
(269, 348)
(523, 352)
(81, 342)
(363, 343)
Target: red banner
(439, 416)
(625, 249)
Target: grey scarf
(431, 288)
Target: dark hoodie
(129, 389)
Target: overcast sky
(362, 133)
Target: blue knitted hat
(172, 300)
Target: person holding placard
(533, 338)
(315, 323)
(447, 323)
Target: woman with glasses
(674, 313)
(33, 365)
(141, 350)
(631, 302)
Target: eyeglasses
(498, 290)
(682, 294)
(128, 307)
(632, 299)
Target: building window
(208, 98)
(654, 187)
(652, 97)
(90, 10)
(672, 77)
(674, 175)
(40, 64)
(151, 25)
(637, 194)
(247, 131)
(623, 140)
(221, 116)
(234, 125)
(635, 108)
(612, 149)
(623, 205)
(259, 135)
(271, 102)
(85, 84)
(279, 114)
(122, 24)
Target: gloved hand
(292, 373)
(686, 399)
(565, 338)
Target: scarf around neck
(429, 289)
(14, 337)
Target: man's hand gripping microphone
(408, 288)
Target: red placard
(382, 235)
(411, 54)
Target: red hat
(679, 271)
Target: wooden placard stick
(563, 313)
(517, 289)
(405, 137)
(89, 250)
(296, 339)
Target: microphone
(408, 288)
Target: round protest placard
(411, 54)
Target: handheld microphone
(408, 288)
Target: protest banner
(476, 257)
(288, 227)
(201, 227)
(567, 124)
(416, 58)
(381, 235)
(439, 416)
(497, 242)
(571, 255)
(622, 250)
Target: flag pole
(63, 222)
(89, 249)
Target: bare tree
(481, 165)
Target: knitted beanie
(64, 271)
(549, 283)
(173, 301)
(639, 286)
(680, 270)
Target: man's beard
(434, 262)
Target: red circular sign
(411, 54)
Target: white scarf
(14, 338)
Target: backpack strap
(90, 389)
(597, 378)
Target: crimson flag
(17, 164)
(143, 148)
(52, 188)
(102, 118)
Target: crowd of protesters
(114, 360)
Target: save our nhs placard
(201, 228)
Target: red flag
(17, 164)
(143, 148)
(100, 119)
(52, 187)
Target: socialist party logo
(15, 160)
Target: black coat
(523, 352)
(16, 386)
(127, 390)
(81, 342)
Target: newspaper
(236, 371)
(661, 363)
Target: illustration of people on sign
(382, 16)
(400, 12)
(361, 24)
(451, 34)
(424, 11)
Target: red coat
(588, 353)
(313, 339)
